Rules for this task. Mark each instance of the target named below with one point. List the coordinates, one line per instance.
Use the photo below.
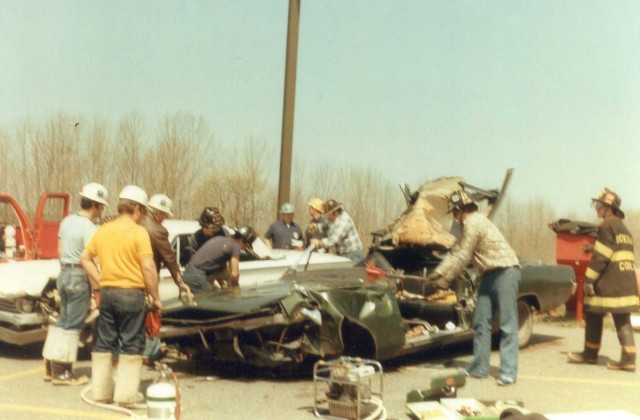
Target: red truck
(29, 266)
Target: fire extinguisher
(163, 396)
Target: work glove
(435, 279)
(588, 289)
(185, 290)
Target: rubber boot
(128, 380)
(64, 353)
(47, 350)
(625, 336)
(102, 377)
(588, 356)
(627, 362)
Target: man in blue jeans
(482, 244)
(61, 346)
(123, 251)
(218, 260)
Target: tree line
(180, 157)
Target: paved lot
(547, 384)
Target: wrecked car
(417, 239)
(29, 300)
(330, 313)
(381, 311)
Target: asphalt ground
(546, 384)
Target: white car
(270, 266)
(29, 300)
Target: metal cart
(353, 388)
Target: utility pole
(286, 145)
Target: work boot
(584, 357)
(128, 380)
(102, 377)
(627, 362)
(62, 374)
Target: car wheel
(525, 323)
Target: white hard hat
(135, 194)
(95, 192)
(161, 202)
(287, 208)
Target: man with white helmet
(61, 346)
(285, 233)
(160, 209)
(127, 270)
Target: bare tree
(128, 162)
(179, 158)
(239, 187)
(526, 228)
(5, 159)
(44, 159)
(97, 144)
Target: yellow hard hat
(317, 204)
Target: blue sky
(416, 89)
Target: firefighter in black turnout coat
(610, 285)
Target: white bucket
(161, 401)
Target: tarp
(421, 224)
(574, 228)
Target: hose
(116, 408)
(380, 413)
(177, 387)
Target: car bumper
(22, 329)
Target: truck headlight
(24, 305)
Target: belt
(497, 269)
(65, 265)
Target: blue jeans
(357, 256)
(498, 292)
(196, 279)
(121, 322)
(75, 297)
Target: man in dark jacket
(219, 260)
(160, 209)
(610, 285)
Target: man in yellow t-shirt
(126, 270)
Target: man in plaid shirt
(482, 245)
(342, 235)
